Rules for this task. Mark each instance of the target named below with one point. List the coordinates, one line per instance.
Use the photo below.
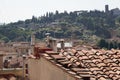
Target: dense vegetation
(109, 44)
(89, 26)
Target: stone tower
(106, 8)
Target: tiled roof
(8, 77)
(100, 64)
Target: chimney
(106, 8)
(62, 44)
(53, 44)
(32, 43)
(32, 39)
(47, 39)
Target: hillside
(89, 26)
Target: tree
(34, 19)
(102, 43)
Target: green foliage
(103, 44)
(109, 44)
(82, 24)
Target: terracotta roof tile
(102, 64)
(57, 57)
(102, 78)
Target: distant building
(106, 8)
(12, 61)
(116, 11)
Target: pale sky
(14, 10)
